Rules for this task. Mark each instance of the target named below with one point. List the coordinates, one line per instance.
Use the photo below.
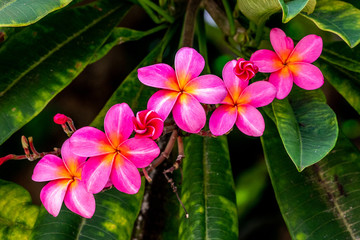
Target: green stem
(259, 33)
(158, 9)
(229, 17)
(167, 38)
(149, 11)
(201, 34)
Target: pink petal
(89, 142)
(188, 114)
(306, 75)
(307, 50)
(80, 201)
(233, 84)
(162, 102)
(282, 44)
(140, 151)
(96, 172)
(125, 176)
(223, 119)
(158, 125)
(209, 89)
(52, 195)
(50, 167)
(283, 81)
(258, 94)
(188, 65)
(267, 61)
(159, 75)
(72, 162)
(250, 121)
(118, 123)
(148, 132)
(228, 100)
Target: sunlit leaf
(338, 17)
(15, 13)
(17, 213)
(322, 202)
(259, 11)
(307, 126)
(208, 191)
(40, 60)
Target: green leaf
(61, 47)
(340, 18)
(121, 35)
(17, 213)
(345, 82)
(307, 126)
(340, 54)
(114, 218)
(16, 13)
(292, 8)
(322, 202)
(259, 11)
(208, 191)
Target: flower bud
(148, 123)
(245, 70)
(60, 118)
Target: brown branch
(189, 23)
(221, 20)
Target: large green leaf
(340, 18)
(40, 60)
(114, 218)
(292, 8)
(208, 191)
(307, 126)
(345, 82)
(340, 54)
(259, 11)
(17, 213)
(121, 35)
(16, 13)
(322, 202)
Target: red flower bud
(148, 123)
(60, 118)
(245, 70)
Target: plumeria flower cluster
(93, 160)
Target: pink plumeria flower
(112, 154)
(239, 106)
(288, 64)
(183, 90)
(245, 70)
(65, 184)
(148, 123)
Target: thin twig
(165, 154)
(174, 167)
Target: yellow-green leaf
(16, 13)
(338, 17)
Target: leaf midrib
(340, 213)
(205, 175)
(58, 47)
